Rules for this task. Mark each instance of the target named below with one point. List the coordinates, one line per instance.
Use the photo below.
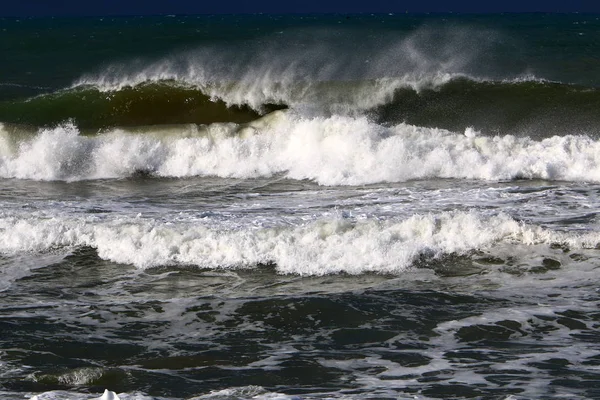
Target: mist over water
(300, 207)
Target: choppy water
(418, 219)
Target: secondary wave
(321, 247)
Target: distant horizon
(307, 13)
(109, 8)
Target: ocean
(300, 207)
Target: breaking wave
(518, 107)
(325, 246)
(333, 150)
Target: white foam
(324, 246)
(331, 151)
(246, 392)
(241, 393)
(5, 142)
(108, 395)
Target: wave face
(529, 107)
(145, 104)
(330, 151)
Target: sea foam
(324, 246)
(330, 151)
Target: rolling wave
(522, 107)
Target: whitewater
(330, 151)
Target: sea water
(300, 207)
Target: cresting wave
(325, 246)
(526, 107)
(330, 151)
(313, 68)
(176, 100)
(429, 76)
